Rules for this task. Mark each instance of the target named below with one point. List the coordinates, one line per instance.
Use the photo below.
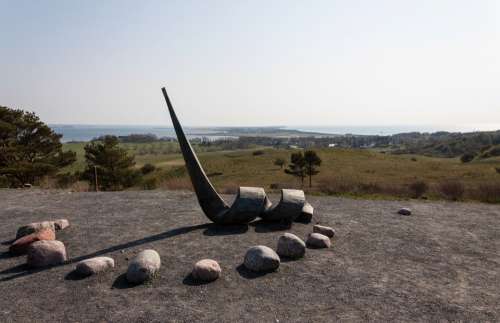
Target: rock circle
(94, 266)
(143, 266)
(46, 253)
(290, 246)
(261, 259)
(206, 270)
(20, 246)
(324, 230)
(318, 241)
(404, 211)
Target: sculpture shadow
(121, 282)
(248, 274)
(224, 230)
(23, 270)
(17, 269)
(262, 226)
(189, 280)
(7, 255)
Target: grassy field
(354, 172)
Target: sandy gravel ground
(440, 264)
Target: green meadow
(352, 172)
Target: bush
(452, 190)
(467, 157)
(148, 168)
(66, 180)
(418, 189)
(489, 193)
(150, 183)
(4, 182)
(497, 169)
(258, 153)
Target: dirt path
(442, 263)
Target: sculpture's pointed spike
(210, 201)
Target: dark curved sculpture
(250, 202)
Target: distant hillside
(445, 144)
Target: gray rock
(261, 259)
(34, 227)
(46, 253)
(143, 266)
(94, 266)
(404, 211)
(291, 246)
(318, 241)
(206, 270)
(61, 224)
(327, 231)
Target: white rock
(94, 266)
(61, 224)
(327, 231)
(206, 270)
(46, 253)
(291, 246)
(318, 240)
(143, 266)
(261, 259)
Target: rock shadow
(224, 230)
(248, 274)
(74, 275)
(262, 226)
(121, 282)
(189, 280)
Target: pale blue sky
(351, 62)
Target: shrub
(230, 188)
(215, 174)
(66, 180)
(467, 157)
(177, 183)
(452, 190)
(258, 153)
(333, 186)
(148, 168)
(497, 169)
(418, 188)
(414, 159)
(150, 183)
(279, 162)
(4, 182)
(489, 193)
(277, 186)
(369, 188)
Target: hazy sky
(350, 62)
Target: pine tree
(29, 149)
(279, 162)
(312, 161)
(297, 166)
(112, 163)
